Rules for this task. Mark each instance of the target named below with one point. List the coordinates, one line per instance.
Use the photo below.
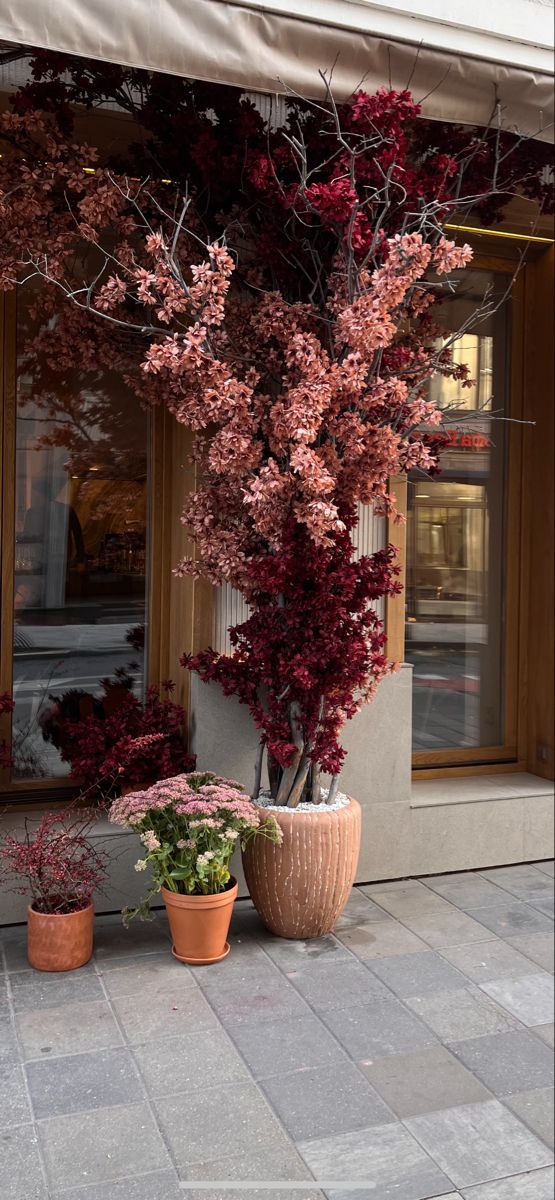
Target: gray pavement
(407, 1056)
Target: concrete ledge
(489, 833)
(477, 789)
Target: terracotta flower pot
(199, 924)
(301, 887)
(59, 941)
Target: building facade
(453, 762)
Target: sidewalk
(409, 1054)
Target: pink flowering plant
(189, 827)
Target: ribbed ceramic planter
(59, 941)
(301, 887)
(199, 924)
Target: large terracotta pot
(59, 941)
(301, 887)
(199, 924)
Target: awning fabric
(264, 51)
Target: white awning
(269, 48)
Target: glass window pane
(455, 550)
(80, 536)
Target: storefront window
(455, 549)
(80, 540)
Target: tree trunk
(274, 775)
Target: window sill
(477, 789)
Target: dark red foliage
(215, 136)
(311, 652)
(56, 865)
(116, 735)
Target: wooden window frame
(511, 755)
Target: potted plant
(189, 827)
(284, 310)
(57, 866)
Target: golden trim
(501, 233)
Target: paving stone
(69, 1029)
(245, 922)
(160, 1185)
(455, 1016)
(296, 954)
(9, 1050)
(375, 1030)
(543, 903)
(14, 1104)
(113, 940)
(466, 890)
(161, 1014)
(546, 1032)
(360, 910)
(482, 961)
(475, 1143)
(387, 1159)
(530, 999)
(234, 1119)
(96, 1147)
(178, 1063)
(548, 867)
(535, 1109)
(158, 972)
(448, 929)
(417, 974)
(424, 1081)
(79, 1082)
(14, 946)
(538, 947)
(267, 1051)
(341, 984)
(518, 880)
(380, 939)
(262, 996)
(20, 1169)
(507, 1062)
(325, 1101)
(281, 1163)
(511, 919)
(38, 989)
(246, 956)
(409, 900)
(389, 885)
(247, 1193)
(534, 1185)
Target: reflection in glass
(80, 536)
(455, 556)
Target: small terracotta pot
(301, 887)
(199, 924)
(59, 941)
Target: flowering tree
(293, 332)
